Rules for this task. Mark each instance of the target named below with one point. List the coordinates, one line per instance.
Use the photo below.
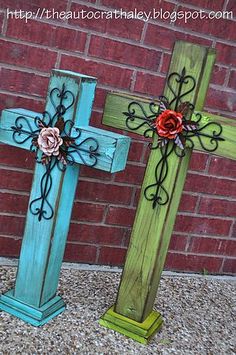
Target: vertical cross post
(63, 140)
(190, 69)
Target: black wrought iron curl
(41, 206)
(180, 85)
(28, 129)
(156, 192)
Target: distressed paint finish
(153, 227)
(33, 298)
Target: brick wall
(131, 56)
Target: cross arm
(101, 149)
(217, 134)
(93, 147)
(18, 127)
(117, 108)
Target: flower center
(169, 124)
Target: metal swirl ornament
(170, 120)
(57, 151)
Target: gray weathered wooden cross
(62, 140)
(176, 130)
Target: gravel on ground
(199, 315)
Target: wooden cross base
(33, 315)
(141, 332)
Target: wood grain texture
(226, 148)
(115, 106)
(153, 227)
(44, 241)
(39, 237)
(113, 147)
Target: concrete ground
(199, 314)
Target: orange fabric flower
(169, 123)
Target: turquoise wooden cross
(62, 140)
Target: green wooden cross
(62, 140)
(175, 134)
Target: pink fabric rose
(49, 141)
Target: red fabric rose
(169, 124)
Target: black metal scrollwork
(138, 117)
(87, 149)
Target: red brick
(149, 84)
(88, 212)
(22, 82)
(120, 52)
(210, 185)
(134, 135)
(96, 121)
(218, 75)
(178, 242)
(202, 225)
(11, 101)
(11, 225)
(165, 38)
(100, 98)
(46, 34)
(95, 173)
(146, 6)
(207, 4)
(10, 246)
(233, 234)
(147, 152)
(188, 203)
(226, 54)
(99, 192)
(96, 234)
(217, 207)
(57, 5)
(15, 180)
(80, 253)
(137, 197)
(27, 56)
(213, 246)
(131, 28)
(91, 23)
(165, 63)
(232, 79)
(11, 203)
(111, 256)
(127, 237)
(198, 161)
(223, 167)
(229, 266)
(196, 263)
(136, 151)
(106, 74)
(221, 100)
(133, 174)
(16, 157)
(120, 216)
(1, 21)
(221, 28)
(231, 6)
